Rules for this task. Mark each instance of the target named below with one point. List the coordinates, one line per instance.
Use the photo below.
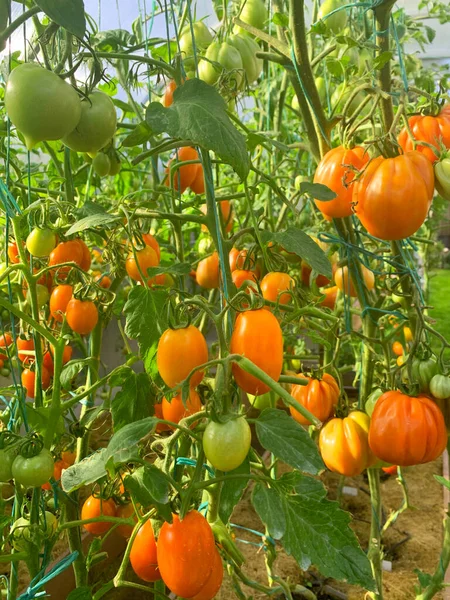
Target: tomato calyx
(8, 439)
(31, 446)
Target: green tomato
(253, 12)
(221, 58)
(336, 22)
(205, 246)
(42, 293)
(372, 400)
(422, 372)
(96, 127)
(260, 402)
(48, 524)
(101, 164)
(365, 60)
(21, 534)
(294, 104)
(40, 242)
(6, 461)
(338, 102)
(402, 300)
(442, 178)
(115, 167)
(440, 387)
(203, 38)
(321, 89)
(40, 104)
(227, 444)
(247, 48)
(34, 471)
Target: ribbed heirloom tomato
(319, 396)
(139, 261)
(393, 195)
(406, 431)
(186, 552)
(59, 299)
(227, 444)
(143, 555)
(81, 316)
(334, 171)
(179, 351)
(434, 130)
(96, 507)
(274, 284)
(344, 445)
(184, 175)
(345, 284)
(257, 336)
(208, 273)
(175, 410)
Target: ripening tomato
(13, 252)
(330, 296)
(393, 195)
(28, 380)
(186, 553)
(407, 431)
(145, 259)
(59, 299)
(226, 445)
(64, 252)
(408, 334)
(95, 507)
(274, 284)
(257, 336)
(40, 242)
(334, 171)
(184, 175)
(168, 93)
(58, 468)
(239, 276)
(143, 555)
(26, 346)
(68, 457)
(208, 272)
(427, 128)
(124, 511)
(175, 410)
(5, 341)
(212, 585)
(81, 316)
(345, 283)
(149, 240)
(198, 185)
(319, 396)
(179, 351)
(344, 444)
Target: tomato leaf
(380, 60)
(146, 321)
(317, 191)
(87, 471)
(113, 40)
(285, 438)
(140, 134)
(92, 221)
(297, 241)
(316, 531)
(67, 13)
(199, 114)
(133, 401)
(280, 19)
(232, 491)
(127, 438)
(82, 593)
(72, 369)
(150, 488)
(173, 268)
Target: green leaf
(92, 221)
(173, 268)
(146, 321)
(124, 442)
(287, 440)
(297, 241)
(113, 40)
(38, 419)
(132, 402)
(232, 491)
(267, 502)
(88, 471)
(281, 19)
(382, 59)
(316, 532)
(198, 114)
(149, 487)
(82, 593)
(124, 106)
(317, 191)
(67, 13)
(140, 134)
(72, 369)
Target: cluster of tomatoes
(187, 175)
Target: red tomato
(175, 410)
(145, 259)
(392, 470)
(48, 362)
(96, 507)
(125, 511)
(180, 351)
(334, 171)
(25, 345)
(59, 299)
(81, 316)
(184, 175)
(257, 336)
(426, 128)
(186, 554)
(13, 252)
(143, 555)
(212, 586)
(28, 378)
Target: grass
(440, 301)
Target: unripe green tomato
(5, 372)
(33, 471)
(40, 104)
(402, 300)
(260, 402)
(422, 373)
(440, 387)
(294, 104)
(321, 89)
(101, 164)
(299, 180)
(365, 60)
(253, 12)
(48, 523)
(338, 102)
(247, 48)
(5, 314)
(226, 445)
(442, 178)
(229, 61)
(40, 242)
(96, 127)
(372, 400)
(203, 38)
(115, 167)
(6, 461)
(336, 22)
(21, 535)
(205, 246)
(42, 295)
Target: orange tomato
(345, 283)
(86, 253)
(239, 276)
(175, 410)
(330, 297)
(198, 185)
(149, 240)
(5, 341)
(184, 175)
(81, 316)
(71, 251)
(319, 396)
(69, 457)
(145, 259)
(208, 272)
(427, 128)
(274, 283)
(26, 346)
(59, 300)
(334, 171)
(143, 555)
(226, 212)
(397, 348)
(237, 259)
(159, 413)
(124, 511)
(168, 93)
(28, 378)
(213, 583)
(393, 195)
(96, 507)
(60, 465)
(179, 351)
